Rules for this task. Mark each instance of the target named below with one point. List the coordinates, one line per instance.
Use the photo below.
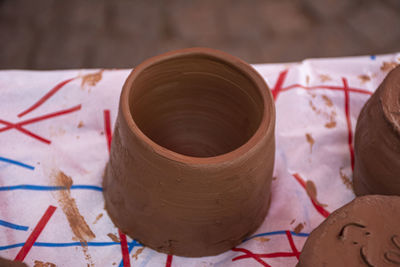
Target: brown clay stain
(327, 100)
(68, 205)
(298, 228)
(98, 218)
(332, 120)
(137, 253)
(292, 221)
(262, 239)
(364, 78)
(331, 124)
(307, 79)
(313, 107)
(330, 115)
(325, 78)
(80, 125)
(274, 178)
(388, 66)
(91, 79)
(43, 264)
(346, 180)
(76, 221)
(311, 190)
(113, 237)
(87, 256)
(310, 140)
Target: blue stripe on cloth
(55, 245)
(18, 163)
(13, 226)
(49, 188)
(276, 233)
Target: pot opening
(196, 105)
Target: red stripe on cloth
(23, 130)
(19, 125)
(35, 234)
(333, 88)
(252, 255)
(269, 255)
(107, 128)
(51, 115)
(318, 207)
(124, 249)
(122, 236)
(348, 120)
(292, 245)
(169, 261)
(45, 97)
(278, 85)
(40, 118)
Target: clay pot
(363, 233)
(377, 141)
(192, 153)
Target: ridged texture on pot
(188, 208)
(377, 141)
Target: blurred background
(56, 34)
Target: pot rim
(265, 129)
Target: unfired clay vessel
(9, 263)
(377, 141)
(192, 153)
(363, 233)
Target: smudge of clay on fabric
(43, 264)
(346, 180)
(308, 79)
(113, 237)
(76, 221)
(298, 228)
(331, 115)
(137, 253)
(262, 239)
(325, 78)
(364, 78)
(327, 100)
(388, 66)
(98, 218)
(91, 79)
(310, 140)
(88, 258)
(312, 192)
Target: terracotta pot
(192, 154)
(362, 233)
(377, 141)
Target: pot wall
(377, 141)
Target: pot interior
(196, 105)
